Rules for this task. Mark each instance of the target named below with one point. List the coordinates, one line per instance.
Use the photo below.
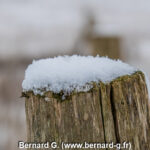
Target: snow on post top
(69, 73)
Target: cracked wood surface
(114, 112)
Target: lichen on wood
(112, 112)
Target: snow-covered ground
(35, 27)
(32, 28)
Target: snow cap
(69, 73)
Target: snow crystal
(69, 73)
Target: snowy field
(32, 28)
(35, 28)
(29, 28)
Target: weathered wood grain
(114, 112)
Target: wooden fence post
(90, 43)
(115, 112)
(106, 46)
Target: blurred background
(34, 29)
